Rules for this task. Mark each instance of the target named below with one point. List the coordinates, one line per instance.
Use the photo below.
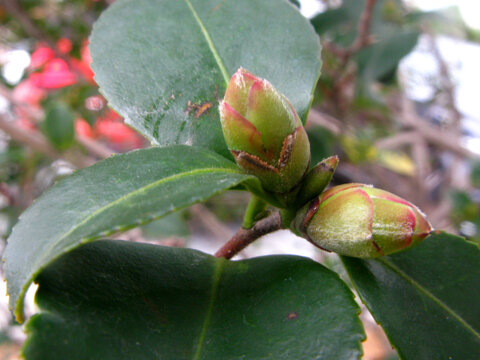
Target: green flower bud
(361, 221)
(264, 133)
(317, 179)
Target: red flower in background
(111, 128)
(27, 92)
(83, 66)
(24, 120)
(64, 45)
(83, 128)
(40, 56)
(50, 72)
(60, 72)
(56, 74)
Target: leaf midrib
(139, 190)
(209, 41)
(206, 322)
(431, 296)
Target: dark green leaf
(119, 300)
(322, 143)
(113, 195)
(380, 59)
(164, 64)
(330, 19)
(427, 299)
(173, 225)
(58, 125)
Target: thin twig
(449, 92)
(245, 237)
(15, 9)
(94, 147)
(326, 121)
(446, 79)
(210, 222)
(37, 142)
(403, 138)
(363, 35)
(343, 75)
(442, 139)
(32, 139)
(363, 38)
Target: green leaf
(426, 299)
(172, 225)
(322, 144)
(58, 125)
(331, 19)
(121, 192)
(119, 300)
(164, 64)
(378, 60)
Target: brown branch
(7, 193)
(209, 221)
(444, 139)
(343, 75)
(31, 139)
(363, 35)
(245, 237)
(326, 121)
(449, 92)
(15, 9)
(440, 138)
(407, 137)
(446, 80)
(94, 147)
(37, 142)
(363, 38)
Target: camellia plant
(165, 66)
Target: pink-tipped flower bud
(361, 221)
(264, 133)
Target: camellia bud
(361, 221)
(317, 179)
(264, 133)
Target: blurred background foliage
(376, 55)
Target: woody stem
(245, 237)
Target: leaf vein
(216, 281)
(139, 190)
(205, 33)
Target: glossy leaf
(119, 300)
(426, 299)
(113, 195)
(164, 64)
